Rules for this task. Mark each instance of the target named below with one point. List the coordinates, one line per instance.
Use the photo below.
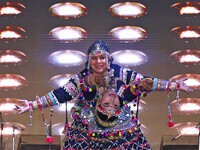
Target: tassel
(49, 139)
(170, 122)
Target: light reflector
(129, 58)
(187, 8)
(11, 8)
(60, 80)
(128, 33)
(186, 128)
(67, 58)
(186, 57)
(68, 33)
(68, 10)
(11, 32)
(9, 127)
(193, 80)
(186, 106)
(11, 57)
(127, 10)
(188, 32)
(11, 81)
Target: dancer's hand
(95, 80)
(100, 80)
(24, 107)
(183, 87)
(145, 84)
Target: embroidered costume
(90, 129)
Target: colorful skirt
(77, 140)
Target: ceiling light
(11, 33)
(68, 33)
(193, 80)
(188, 32)
(7, 106)
(186, 57)
(67, 58)
(127, 10)
(129, 57)
(186, 106)
(10, 127)
(128, 33)
(187, 128)
(11, 81)
(11, 8)
(68, 10)
(187, 8)
(11, 57)
(60, 80)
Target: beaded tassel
(30, 113)
(49, 139)
(177, 97)
(170, 122)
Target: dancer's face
(98, 63)
(110, 101)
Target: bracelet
(30, 106)
(35, 105)
(173, 86)
(39, 103)
(168, 87)
(178, 85)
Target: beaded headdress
(99, 47)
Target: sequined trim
(70, 88)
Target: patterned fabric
(80, 141)
(130, 138)
(85, 134)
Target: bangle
(30, 106)
(173, 86)
(39, 103)
(35, 105)
(168, 87)
(178, 85)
